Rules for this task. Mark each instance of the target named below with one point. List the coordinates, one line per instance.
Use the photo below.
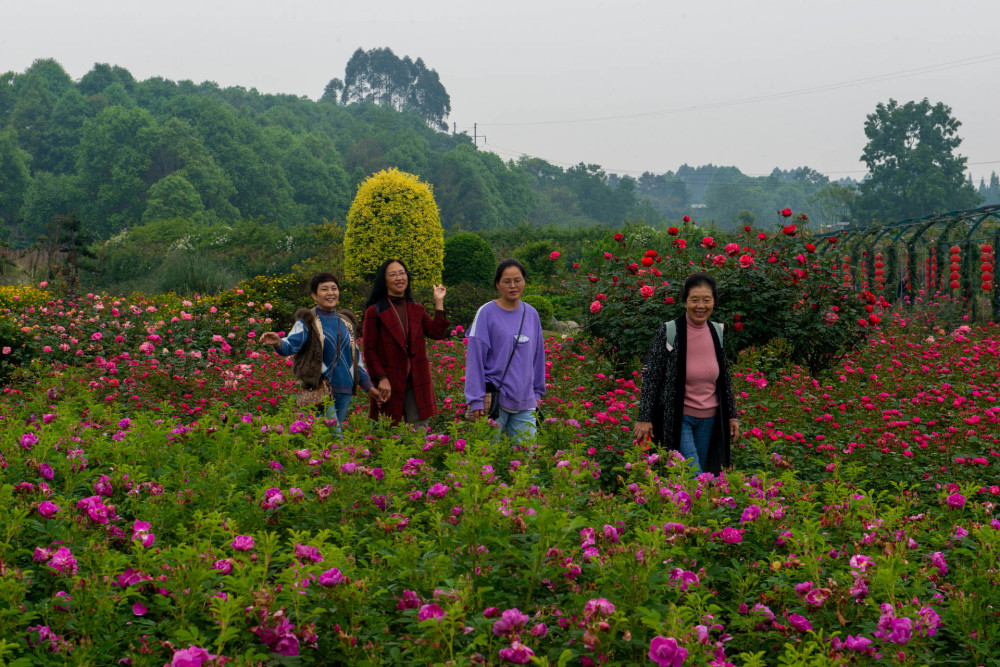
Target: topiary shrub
(468, 258)
(542, 305)
(394, 215)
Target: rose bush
(162, 502)
(770, 286)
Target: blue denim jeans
(337, 409)
(696, 436)
(517, 425)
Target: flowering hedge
(770, 286)
(163, 507)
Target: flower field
(161, 502)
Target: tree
(115, 152)
(912, 168)
(380, 77)
(832, 204)
(14, 179)
(172, 197)
(48, 195)
(394, 215)
(990, 194)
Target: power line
(927, 69)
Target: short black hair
(321, 278)
(506, 264)
(699, 280)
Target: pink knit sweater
(700, 397)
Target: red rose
(788, 230)
(673, 231)
(687, 218)
(786, 212)
(810, 247)
(647, 261)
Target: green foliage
(770, 359)
(163, 254)
(16, 349)
(172, 197)
(468, 258)
(463, 302)
(394, 215)
(542, 305)
(14, 176)
(912, 163)
(186, 272)
(279, 296)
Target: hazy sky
(672, 82)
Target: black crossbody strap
(513, 350)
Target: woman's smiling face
(327, 295)
(700, 303)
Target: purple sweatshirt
(491, 339)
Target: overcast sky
(671, 82)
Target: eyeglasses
(511, 282)
(393, 276)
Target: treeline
(119, 152)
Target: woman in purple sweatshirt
(507, 351)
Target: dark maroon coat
(385, 356)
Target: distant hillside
(118, 152)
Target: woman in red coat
(395, 352)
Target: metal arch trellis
(901, 241)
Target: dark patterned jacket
(662, 399)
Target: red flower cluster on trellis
(879, 272)
(988, 264)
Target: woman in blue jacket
(342, 365)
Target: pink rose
(48, 509)
(242, 543)
(732, 535)
(665, 652)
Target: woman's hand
(477, 415)
(384, 390)
(439, 292)
(376, 395)
(734, 430)
(270, 338)
(643, 431)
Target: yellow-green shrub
(394, 215)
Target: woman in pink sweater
(687, 401)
